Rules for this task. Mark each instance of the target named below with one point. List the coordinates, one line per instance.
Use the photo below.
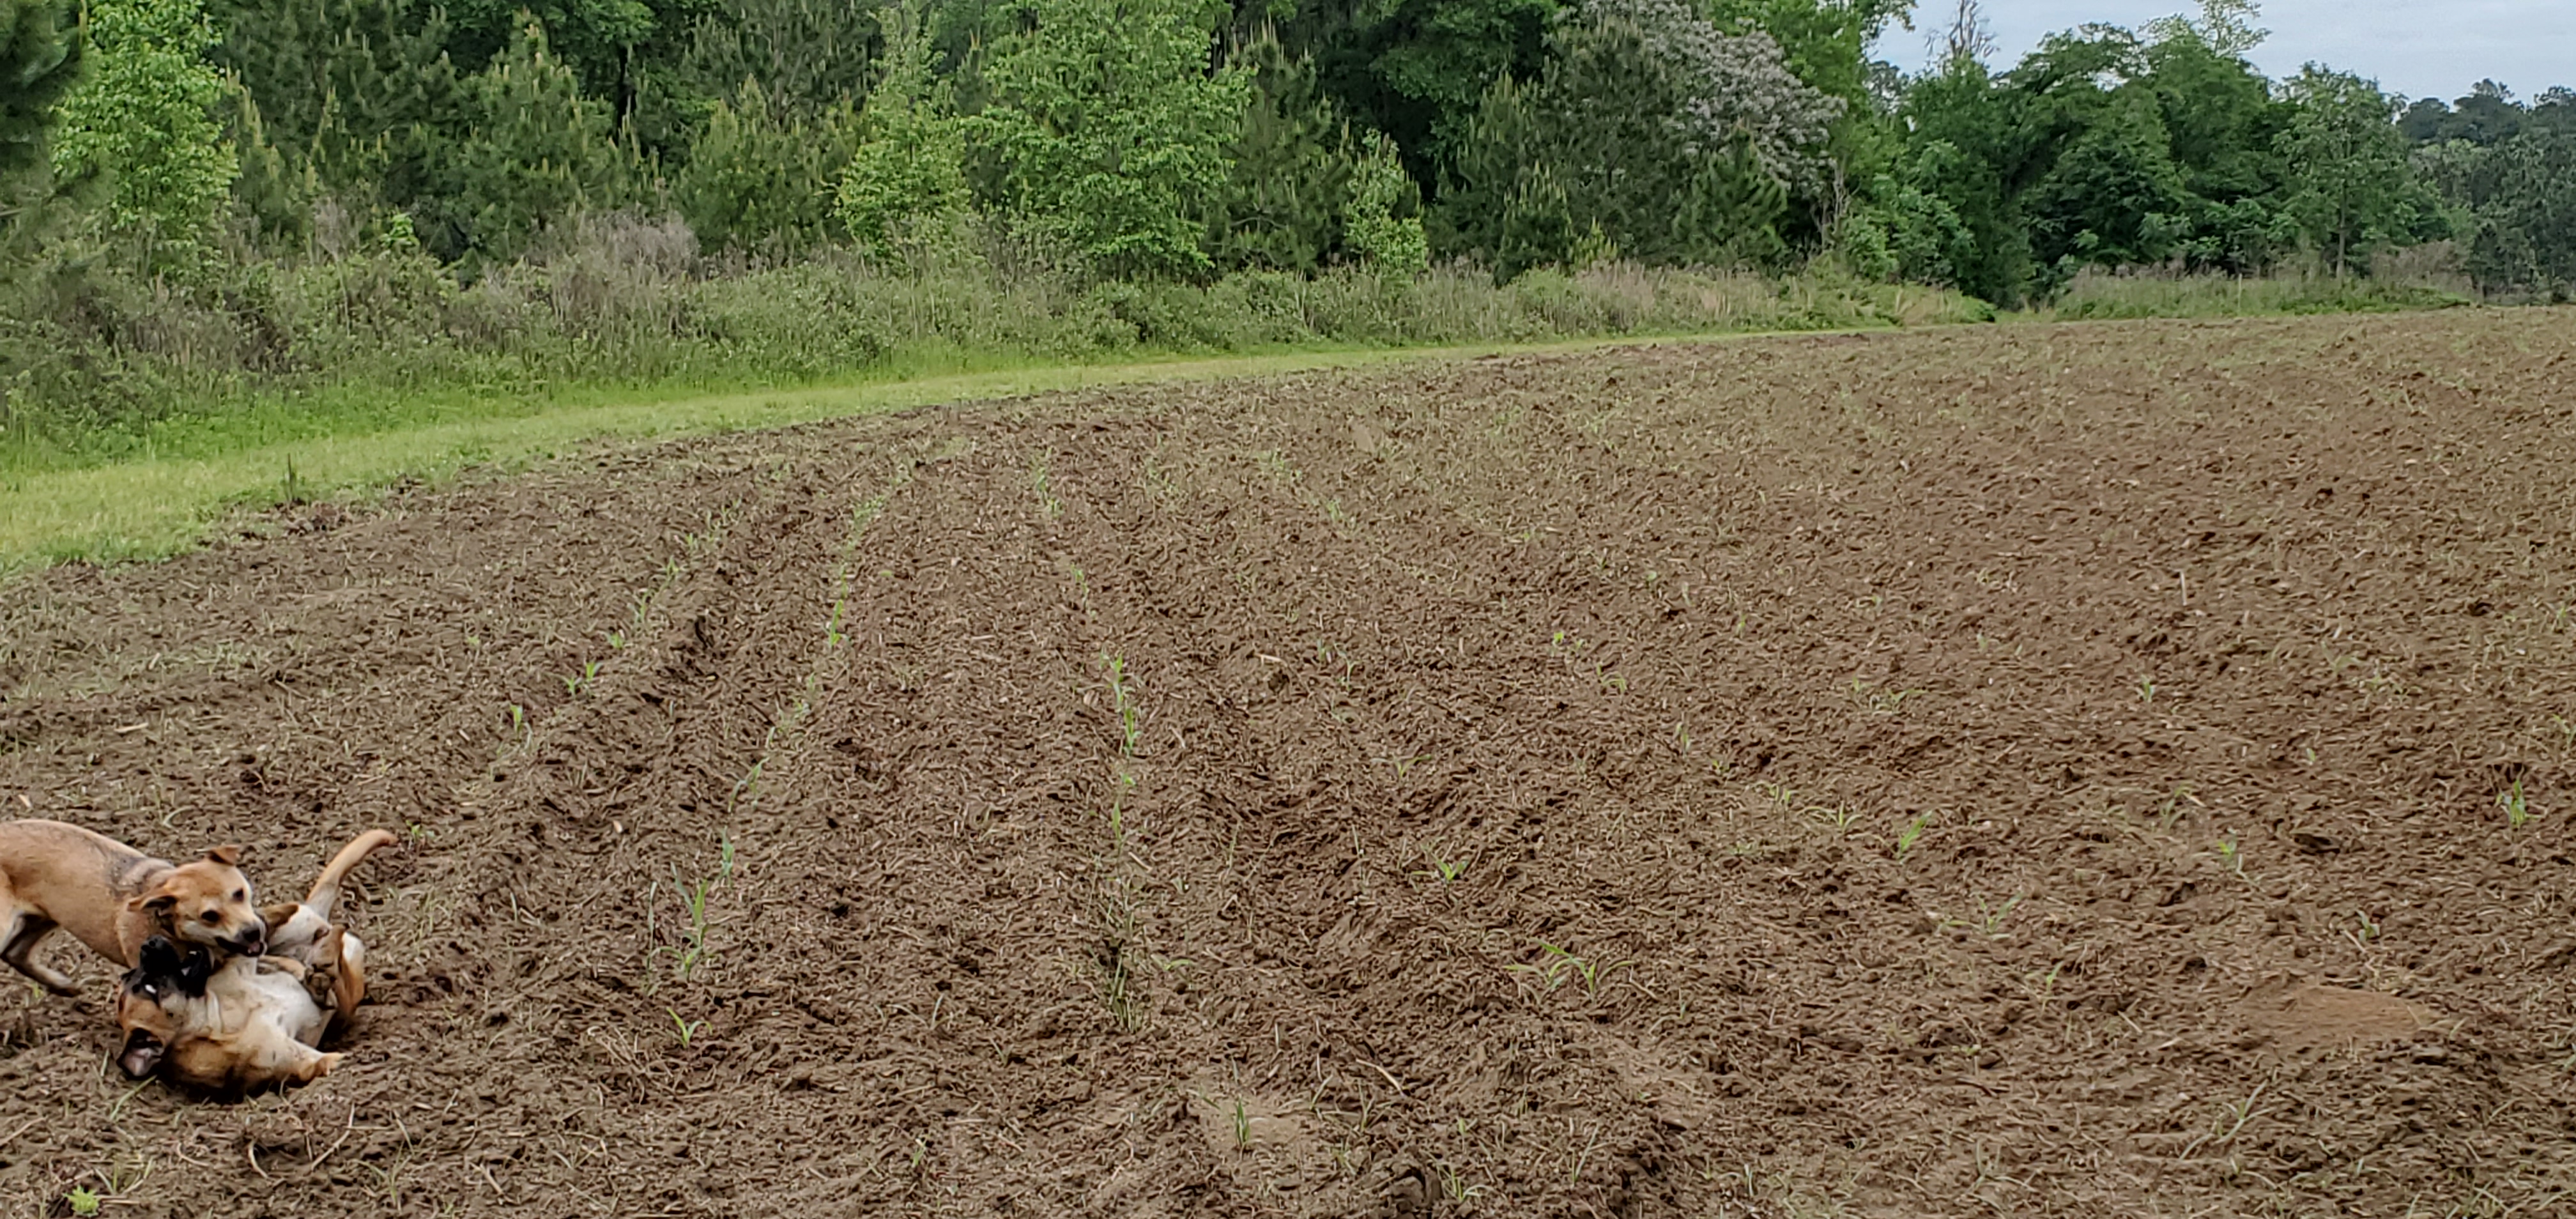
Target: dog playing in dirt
(113, 898)
(239, 1023)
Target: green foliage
(1970, 157)
(145, 121)
(1110, 130)
(40, 60)
(1381, 218)
(1290, 182)
(1672, 143)
(2226, 28)
(2113, 197)
(2518, 197)
(907, 168)
(2488, 116)
(2223, 131)
(1827, 44)
(2105, 150)
(2350, 189)
(809, 56)
(761, 179)
(2298, 290)
(1908, 230)
(535, 150)
(272, 196)
(2509, 171)
(356, 91)
(620, 53)
(1417, 69)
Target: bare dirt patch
(2083, 770)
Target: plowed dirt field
(2111, 770)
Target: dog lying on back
(113, 898)
(237, 1023)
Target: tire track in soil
(652, 779)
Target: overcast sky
(2421, 48)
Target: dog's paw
(322, 1066)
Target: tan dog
(243, 1023)
(113, 897)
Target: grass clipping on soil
(2095, 770)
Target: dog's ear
(159, 957)
(154, 903)
(228, 855)
(195, 968)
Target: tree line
(1190, 139)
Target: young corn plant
(1911, 834)
(1122, 699)
(1455, 1187)
(692, 953)
(2231, 856)
(1446, 871)
(2517, 809)
(1048, 505)
(1992, 920)
(688, 1029)
(1556, 966)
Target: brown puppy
(243, 1023)
(233, 1026)
(113, 897)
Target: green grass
(2097, 295)
(200, 469)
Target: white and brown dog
(240, 1023)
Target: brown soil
(2025, 771)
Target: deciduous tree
(145, 121)
(1110, 129)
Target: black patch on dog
(165, 966)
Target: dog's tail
(326, 888)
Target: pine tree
(760, 177)
(351, 91)
(534, 151)
(1292, 164)
(40, 61)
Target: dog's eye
(241, 895)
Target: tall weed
(94, 366)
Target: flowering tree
(1648, 133)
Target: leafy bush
(1110, 131)
(144, 121)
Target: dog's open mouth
(142, 1053)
